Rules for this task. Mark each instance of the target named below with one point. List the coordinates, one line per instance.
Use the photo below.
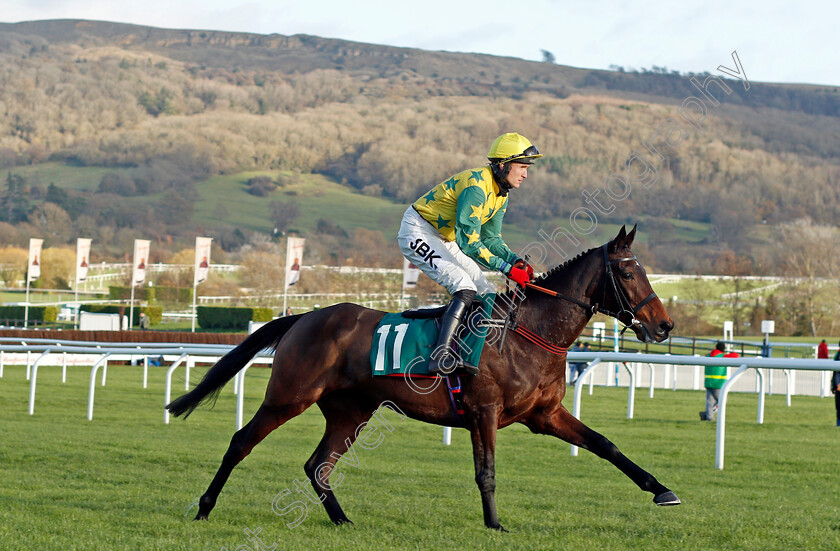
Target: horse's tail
(267, 336)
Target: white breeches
(441, 260)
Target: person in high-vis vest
(456, 228)
(715, 377)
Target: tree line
(162, 126)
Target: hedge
(263, 314)
(180, 295)
(116, 292)
(36, 313)
(220, 317)
(155, 313)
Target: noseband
(624, 306)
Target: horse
(323, 357)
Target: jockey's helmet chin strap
(500, 176)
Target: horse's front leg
(560, 423)
(483, 434)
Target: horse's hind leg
(562, 424)
(345, 415)
(264, 421)
(483, 433)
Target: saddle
(476, 308)
(430, 313)
(424, 313)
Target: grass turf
(127, 481)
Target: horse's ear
(631, 236)
(619, 240)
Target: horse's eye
(627, 275)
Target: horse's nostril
(665, 327)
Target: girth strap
(453, 385)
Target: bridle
(625, 309)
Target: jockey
(456, 226)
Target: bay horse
(323, 357)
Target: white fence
(630, 363)
(35, 353)
(660, 375)
(604, 368)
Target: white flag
(82, 259)
(33, 270)
(202, 259)
(141, 258)
(410, 275)
(294, 259)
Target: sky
(776, 40)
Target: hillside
(113, 130)
(486, 74)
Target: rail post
(631, 390)
(788, 384)
(240, 396)
(721, 418)
(190, 365)
(104, 369)
(168, 389)
(92, 389)
(33, 381)
(760, 375)
(578, 385)
(652, 375)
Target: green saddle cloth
(403, 345)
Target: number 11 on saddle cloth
(403, 345)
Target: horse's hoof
(667, 498)
(345, 520)
(499, 528)
(201, 516)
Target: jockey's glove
(519, 275)
(521, 264)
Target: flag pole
(26, 308)
(194, 308)
(131, 307)
(285, 278)
(76, 300)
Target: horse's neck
(561, 321)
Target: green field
(709, 289)
(82, 178)
(225, 199)
(318, 196)
(127, 481)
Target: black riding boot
(443, 360)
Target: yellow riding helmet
(513, 147)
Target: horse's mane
(560, 267)
(553, 271)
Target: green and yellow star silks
(470, 199)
